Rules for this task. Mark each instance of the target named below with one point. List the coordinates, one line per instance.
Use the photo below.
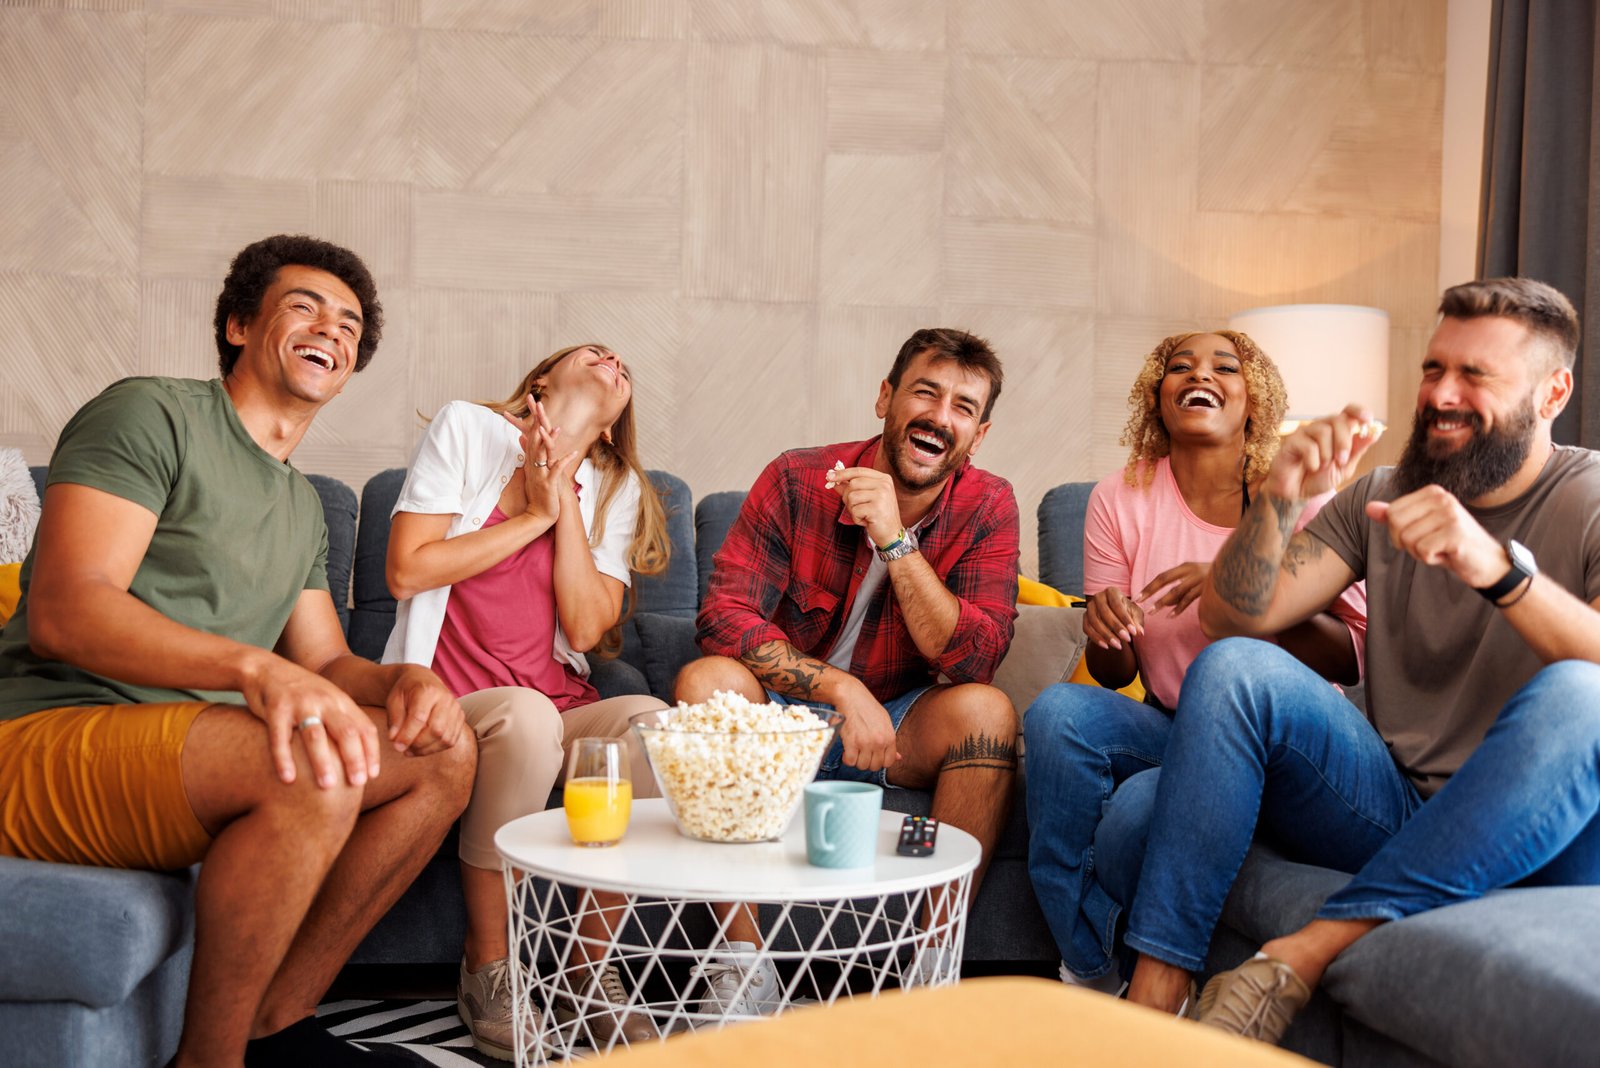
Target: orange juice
(597, 809)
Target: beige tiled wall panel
(70, 141)
(880, 230)
(1022, 139)
(886, 102)
(899, 25)
(754, 201)
(756, 127)
(751, 358)
(66, 339)
(1312, 34)
(1089, 29)
(258, 98)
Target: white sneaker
(739, 982)
(933, 966)
(1110, 983)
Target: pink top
(1134, 533)
(500, 628)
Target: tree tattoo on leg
(982, 751)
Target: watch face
(1521, 558)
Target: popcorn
(734, 771)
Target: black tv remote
(917, 835)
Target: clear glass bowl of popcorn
(733, 771)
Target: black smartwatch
(1522, 569)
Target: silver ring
(309, 721)
(541, 463)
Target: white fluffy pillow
(19, 507)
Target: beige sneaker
(483, 998)
(1258, 999)
(619, 1025)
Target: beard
(1483, 464)
(903, 456)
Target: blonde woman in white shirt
(511, 553)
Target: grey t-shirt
(1441, 660)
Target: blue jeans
(833, 765)
(1082, 743)
(1261, 743)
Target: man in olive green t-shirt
(1475, 767)
(176, 686)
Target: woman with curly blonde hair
(1201, 433)
(1146, 434)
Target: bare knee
(979, 724)
(458, 766)
(699, 679)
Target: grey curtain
(1540, 213)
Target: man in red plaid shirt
(858, 574)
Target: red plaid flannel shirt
(793, 560)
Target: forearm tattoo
(1303, 549)
(996, 754)
(782, 668)
(1247, 568)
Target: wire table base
(567, 928)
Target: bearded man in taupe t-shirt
(1481, 554)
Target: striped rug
(430, 1029)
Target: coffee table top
(654, 859)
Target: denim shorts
(833, 765)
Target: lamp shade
(1330, 355)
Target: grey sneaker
(483, 998)
(607, 1028)
(739, 982)
(932, 966)
(1110, 983)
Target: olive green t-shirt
(239, 536)
(1442, 661)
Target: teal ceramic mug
(842, 823)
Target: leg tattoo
(995, 754)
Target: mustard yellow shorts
(99, 785)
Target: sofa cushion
(616, 678)
(667, 643)
(675, 589)
(1511, 978)
(1061, 516)
(372, 614)
(91, 935)
(1046, 646)
(713, 518)
(339, 511)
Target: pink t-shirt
(500, 628)
(1134, 533)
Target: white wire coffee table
(829, 932)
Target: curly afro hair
(254, 269)
(1146, 436)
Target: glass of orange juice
(598, 795)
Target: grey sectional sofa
(93, 963)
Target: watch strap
(1513, 578)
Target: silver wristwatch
(904, 545)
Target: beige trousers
(522, 749)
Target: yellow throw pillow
(1031, 592)
(10, 589)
